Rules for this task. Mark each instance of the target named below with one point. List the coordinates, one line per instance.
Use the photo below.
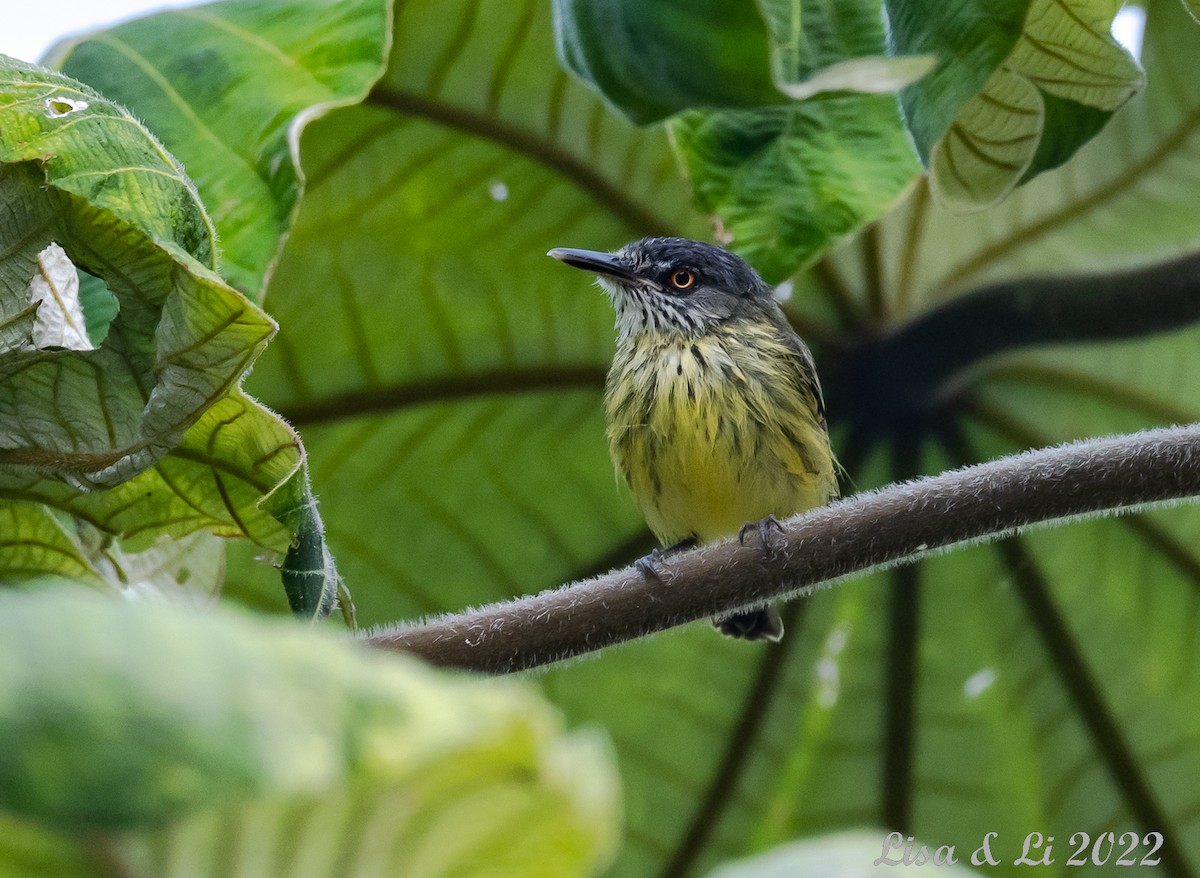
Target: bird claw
(649, 564)
(763, 528)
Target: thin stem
(872, 244)
(864, 533)
(913, 238)
(1086, 384)
(900, 699)
(738, 750)
(1084, 690)
(849, 312)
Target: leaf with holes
(75, 172)
(147, 432)
(1019, 87)
(255, 772)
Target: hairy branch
(858, 535)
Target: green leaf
(430, 209)
(100, 306)
(1125, 200)
(121, 208)
(154, 413)
(978, 119)
(215, 478)
(970, 40)
(476, 777)
(232, 100)
(786, 183)
(36, 544)
(651, 59)
(40, 544)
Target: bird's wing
(804, 371)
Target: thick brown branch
(863, 533)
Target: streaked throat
(645, 309)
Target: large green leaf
(450, 340)
(153, 414)
(231, 101)
(785, 183)
(652, 58)
(1125, 200)
(139, 740)
(446, 379)
(1019, 86)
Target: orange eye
(682, 279)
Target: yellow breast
(715, 432)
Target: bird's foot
(649, 564)
(764, 529)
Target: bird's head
(673, 285)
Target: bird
(714, 413)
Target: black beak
(594, 260)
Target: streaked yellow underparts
(714, 432)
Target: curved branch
(867, 532)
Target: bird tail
(759, 625)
